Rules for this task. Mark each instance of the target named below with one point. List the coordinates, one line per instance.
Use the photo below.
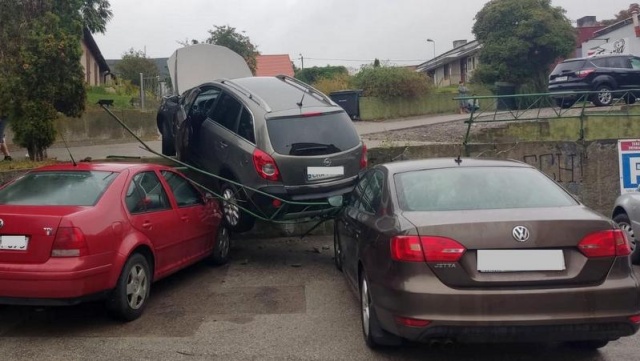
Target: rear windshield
(57, 188)
(452, 189)
(569, 66)
(315, 135)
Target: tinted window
(204, 102)
(478, 188)
(372, 195)
(184, 192)
(358, 191)
(226, 112)
(316, 135)
(245, 127)
(568, 66)
(57, 188)
(635, 63)
(600, 63)
(145, 194)
(619, 62)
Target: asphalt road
(278, 299)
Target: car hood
(203, 63)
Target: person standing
(462, 92)
(3, 143)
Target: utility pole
(302, 61)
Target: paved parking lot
(279, 299)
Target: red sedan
(71, 233)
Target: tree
(228, 36)
(41, 74)
(133, 63)
(96, 14)
(520, 40)
(622, 15)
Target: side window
(226, 112)
(245, 127)
(600, 62)
(186, 194)
(372, 196)
(203, 104)
(358, 191)
(635, 63)
(618, 62)
(145, 194)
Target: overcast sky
(325, 32)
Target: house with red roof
(270, 65)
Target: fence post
(142, 91)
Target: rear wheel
(128, 299)
(604, 97)
(222, 247)
(589, 344)
(624, 223)
(235, 218)
(374, 335)
(168, 141)
(337, 249)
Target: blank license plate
(315, 173)
(560, 78)
(512, 260)
(14, 243)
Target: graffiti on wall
(563, 168)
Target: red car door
(151, 214)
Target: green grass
(121, 101)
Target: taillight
(583, 73)
(265, 165)
(411, 322)
(363, 159)
(635, 319)
(610, 243)
(427, 248)
(69, 242)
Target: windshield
(452, 189)
(317, 135)
(57, 188)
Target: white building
(622, 37)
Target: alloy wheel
(231, 210)
(137, 285)
(605, 96)
(366, 312)
(224, 243)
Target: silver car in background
(626, 213)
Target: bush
(335, 83)
(392, 82)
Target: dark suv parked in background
(611, 76)
(274, 134)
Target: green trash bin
(508, 103)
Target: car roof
(439, 163)
(596, 57)
(101, 166)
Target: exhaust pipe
(447, 344)
(433, 343)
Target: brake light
(265, 165)
(635, 319)
(610, 243)
(69, 242)
(363, 159)
(583, 73)
(411, 322)
(427, 248)
(311, 114)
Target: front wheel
(222, 247)
(128, 299)
(624, 223)
(337, 248)
(604, 97)
(237, 219)
(565, 103)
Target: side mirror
(336, 201)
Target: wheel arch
(134, 243)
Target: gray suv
(273, 134)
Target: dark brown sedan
(482, 251)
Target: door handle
(184, 219)
(223, 145)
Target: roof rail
(256, 99)
(304, 86)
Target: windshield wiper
(312, 149)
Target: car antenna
(300, 102)
(458, 160)
(68, 150)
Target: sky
(322, 32)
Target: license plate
(316, 173)
(512, 260)
(14, 243)
(561, 78)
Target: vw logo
(326, 162)
(520, 233)
(1, 223)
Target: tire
(337, 248)
(374, 336)
(630, 99)
(604, 97)
(222, 248)
(589, 344)
(168, 141)
(565, 103)
(128, 300)
(624, 223)
(235, 218)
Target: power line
(366, 60)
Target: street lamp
(435, 70)
(434, 46)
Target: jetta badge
(48, 230)
(326, 162)
(520, 233)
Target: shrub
(392, 82)
(335, 83)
